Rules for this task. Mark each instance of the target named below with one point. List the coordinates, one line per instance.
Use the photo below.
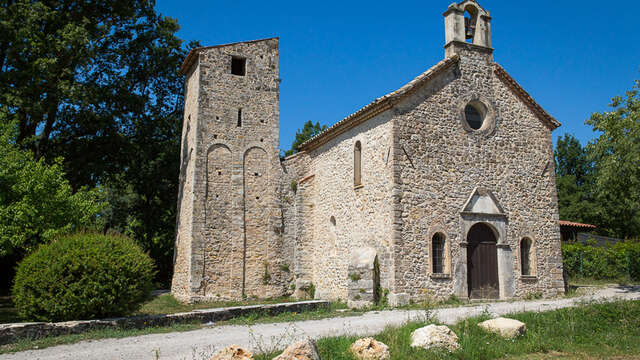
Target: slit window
(238, 65)
(357, 164)
(525, 256)
(239, 118)
(437, 253)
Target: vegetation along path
(201, 344)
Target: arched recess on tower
(256, 209)
(219, 250)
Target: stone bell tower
(466, 23)
(226, 246)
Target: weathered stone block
(396, 300)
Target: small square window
(238, 66)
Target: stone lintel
(440, 276)
(467, 213)
(469, 46)
(454, 9)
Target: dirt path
(201, 344)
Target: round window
(474, 114)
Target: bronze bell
(469, 33)
(470, 28)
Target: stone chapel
(444, 187)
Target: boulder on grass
(302, 350)
(233, 352)
(370, 349)
(435, 336)
(508, 328)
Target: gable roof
(193, 53)
(385, 102)
(378, 105)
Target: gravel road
(201, 344)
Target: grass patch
(260, 317)
(589, 331)
(162, 304)
(167, 304)
(585, 281)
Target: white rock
(233, 352)
(370, 349)
(508, 328)
(302, 350)
(433, 336)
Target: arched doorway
(482, 262)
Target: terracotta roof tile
(575, 224)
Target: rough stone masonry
(444, 187)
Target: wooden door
(482, 263)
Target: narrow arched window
(437, 253)
(357, 164)
(525, 256)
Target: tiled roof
(387, 101)
(377, 106)
(575, 224)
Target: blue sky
(336, 57)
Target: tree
(37, 203)
(97, 84)
(571, 158)
(616, 155)
(574, 172)
(308, 131)
(78, 74)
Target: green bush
(83, 276)
(618, 261)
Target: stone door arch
(482, 207)
(482, 262)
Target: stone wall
(345, 217)
(237, 215)
(440, 163)
(180, 285)
(297, 208)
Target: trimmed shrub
(83, 276)
(618, 261)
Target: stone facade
(462, 144)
